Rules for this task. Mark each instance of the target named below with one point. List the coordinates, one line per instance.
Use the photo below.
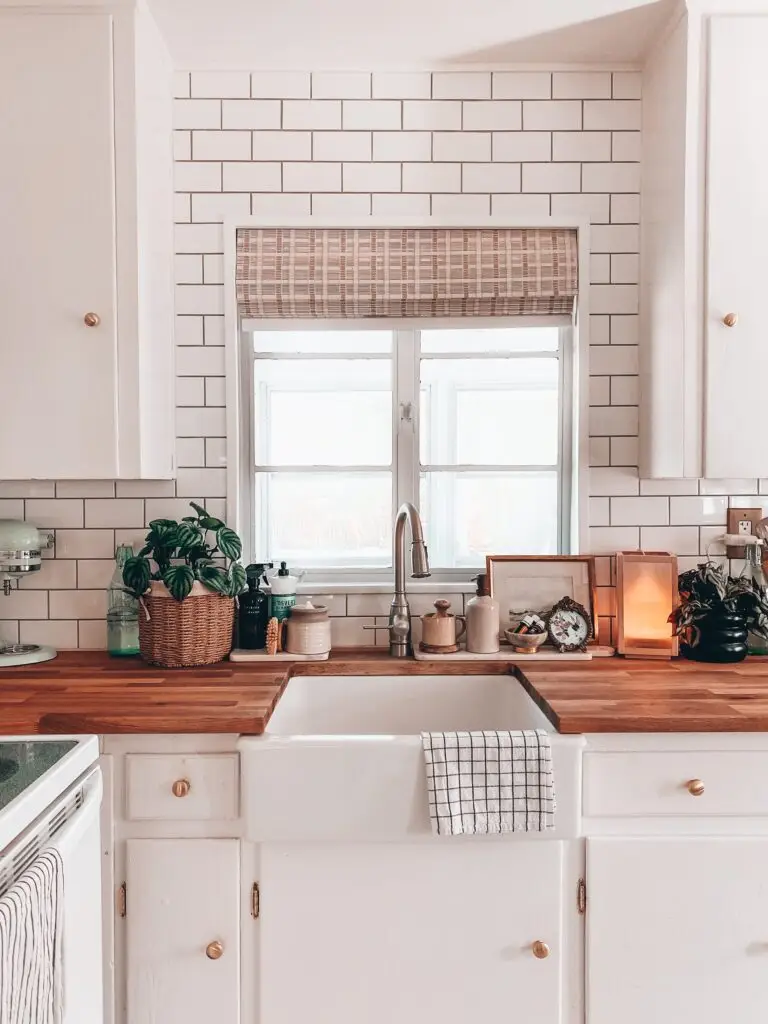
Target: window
(472, 425)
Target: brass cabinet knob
(695, 787)
(181, 787)
(214, 950)
(540, 950)
(91, 319)
(731, 319)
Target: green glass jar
(122, 610)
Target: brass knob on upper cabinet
(214, 950)
(540, 950)
(181, 787)
(731, 319)
(91, 319)
(695, 787)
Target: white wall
(523, 144)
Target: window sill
(383, 587)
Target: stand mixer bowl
(21, 546)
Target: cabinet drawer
(185, 787)
(657, 784)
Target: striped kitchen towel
(31, 920)
(494, 781)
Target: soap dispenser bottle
(283, 585)
(482, 620)
(253, 612)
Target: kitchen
(545, 130)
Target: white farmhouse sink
(342, 760)
(402, 705)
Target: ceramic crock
(308, 630)
(439, 628)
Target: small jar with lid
(308, 630)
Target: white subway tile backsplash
(643, 511)
(373, 115)
(92, 634)
(599, 451)
(581, 85)
(199, 238)
(599, 512)
(201, 423)
(681, 540)
(85, 544)
(625, 268)
(595, 207)
(48, 513)
(599, 391)
(197, 177)
(551, 177)
(182, 208)
(613, 421)
(733, 486)
(94, 573)
(627, 85)
(613, 359)
(249, 177)
(462, 85)
(342, 146)
(312, 114)
(522, 85)
(210, 208)
(600, 268)
(552, 115)
(609, 539)
(611, 178)
(350, 204)
(201, 483)
(495, 177)
(370, 177)
(625, 209)
(215, 451)
(461, 146)
(493, 116)
(586, 146)
(181, 84)
(250, 114)
(145, 488)
(613, 482)
(25, 604)
(182, 145)
(103, 512)
(287, 204)
(402, 146)
(626, 146)
(431, 115)
(312, 177)
(669, 487)
(452, 205)
(351, 632)
(27, 489)
(620, 238)
(280, 84)
(624, 451)
(190, 451)
(278, 145)
(196, 114)
(427, 177)
(522, 146)
(218, 84)
(401, 205)
(199, 298)
(213, 268)
(401, 85)
(55, 574)
(77, 604)
(221, 145)
(215, 391)
(618, 115)
(339, 85)
(531, 206)
(61, 635)
(614, 298)
(190, 391)
(625, 330)
(707, 510)
(85, 489)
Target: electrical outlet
(744, 522)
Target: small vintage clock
(569, 626)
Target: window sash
(406, 467)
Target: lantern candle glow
(646, 593)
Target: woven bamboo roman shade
(310, 273)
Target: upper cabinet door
(57, 222)
(736, 363)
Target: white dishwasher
(50, 792)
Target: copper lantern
(646, 594)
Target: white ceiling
(370, 34)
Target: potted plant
(716, 612)
(186, 577)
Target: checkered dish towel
(495, 781)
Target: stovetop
(24, 762)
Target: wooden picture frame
(537, 582)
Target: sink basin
(341, 759)
(402, 705)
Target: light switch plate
(743, 521)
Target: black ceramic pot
(723, 639)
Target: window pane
(489, 412)
(322, 519)
(329, 412)
(503, 339)
(314, 342)
(470, 515)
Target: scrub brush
(273, 636)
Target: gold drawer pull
(695, 787)
(181, 787)
(214, 950)
(91, 319)
(540, 950)
(731, 319)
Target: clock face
(568, 628)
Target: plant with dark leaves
(708, 588)
(180, 553)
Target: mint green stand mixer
(21, 546)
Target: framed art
(537, 582)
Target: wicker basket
(178, 634)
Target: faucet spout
(400, 613)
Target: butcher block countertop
(89, 692)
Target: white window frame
(240, 362)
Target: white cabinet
(677, 930)
(183, 931)
(86, 222)
(411, 932)
(704, 215)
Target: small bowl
(525, 643)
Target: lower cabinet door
(677, 931)
(413, 933)
(183, 931)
